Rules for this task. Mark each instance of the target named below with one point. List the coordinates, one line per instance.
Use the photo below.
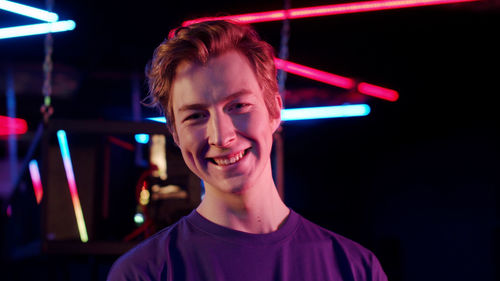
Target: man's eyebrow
(198, 106)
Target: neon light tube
(12, 126)
(142, 138)
(158, 119)
(308, 113)
(377, 91)
(28, 11)
(326, 10)
(35, 29)
(322, 112)
(318, 75)
(336, 80)
(35, 179)
(68, 167)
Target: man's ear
(276, 122)
(174, 135)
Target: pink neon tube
(326, 10)
(377, 91)
(70, 175)
(35, 179)
(10, 125)
(336, 80)
(302, 70)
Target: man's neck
(256, 211)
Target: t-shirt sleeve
(128, 268)
(144, 262)
(363, 263)
(377, 273)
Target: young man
(216, 82)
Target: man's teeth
(228, 161)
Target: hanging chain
(46, 108)
(283, 54)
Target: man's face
(222, 125)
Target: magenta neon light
(318, 75)
(70, 176)
(377, 91)
(337, 80)
(326, 10)
(12, 126)
(35, 179)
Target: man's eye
(240, 106)
(194, 117)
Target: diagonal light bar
(326, 10)
(308, 113)
(35, 29)
(35, 179)
(377, 91)
(28, 11)
(318, 75)
(336, 80)
(70, 175)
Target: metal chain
(283, 54)
(46, 108)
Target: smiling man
(216, 82)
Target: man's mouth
(229, 159)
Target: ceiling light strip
(36, 29)
(326, 10)
(28, 11)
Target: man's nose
(221, 130)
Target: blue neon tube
(35, 29)
(308, 113)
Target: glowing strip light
(337, 80)
(377, 91)
(68, 167)
(318, 75)
(322, 112)
(142, 138)
(35, 29)
(326, 10)
(308, 113)
(12, 126)
(28, 11)
(35, 179)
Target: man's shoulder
(316, 232)
(147, 257)
(359, 259)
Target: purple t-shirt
(196, 249)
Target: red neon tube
(326, 10)
(12, 126)
(377, 91)
(318, 75)
(337, 80)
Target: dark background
(416, 181)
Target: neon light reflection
(308, 113)
(35, 29)
(35, 179)
(326, 10)
(28, 11)
(68, 167)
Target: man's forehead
(224, 75)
